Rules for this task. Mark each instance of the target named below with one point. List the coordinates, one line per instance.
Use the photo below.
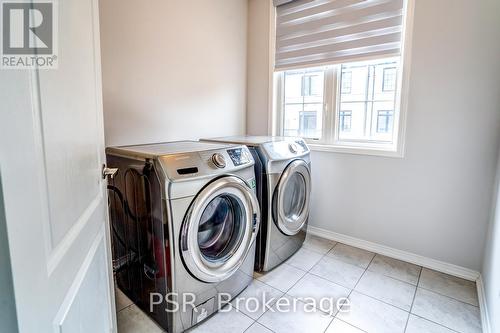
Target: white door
(52, 151)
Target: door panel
(85, 295)
(52, 151)
(67, 102)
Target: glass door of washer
(219, 229)
(291, 198)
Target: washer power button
(218, 160)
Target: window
(346, 82)
(360, 112)
(345, 118)
(339, 80)
(389, 81)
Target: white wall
(173, 69)
(491, 265)
(435, 201)
(258, 63)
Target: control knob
(218, 160)
(293, 148)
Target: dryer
(184, 218)
(283, 172)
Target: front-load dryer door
(219, 229)
(291, 198)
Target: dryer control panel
(286, 149)
(239, 156)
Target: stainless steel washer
(283, 173)
(185, 218)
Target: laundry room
(258, 166)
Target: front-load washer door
(291, 198)
(219, 229)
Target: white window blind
(317, 32)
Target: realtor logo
(29, 38)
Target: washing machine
(283, 171)
(184, 219)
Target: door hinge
(108, 172)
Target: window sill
(357, 150)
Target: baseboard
(436, 265)
(483, 306)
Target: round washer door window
(219, 229)
(294, 196)
(291, 198)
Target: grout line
(357, 282)
(351, 324)
(453, 298)
(392, 277)
(128, 306)
(413, 300)
(431, 321)
(265, 326)
(381, 301)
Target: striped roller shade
(317, 32)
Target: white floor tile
(351, 255)
(133, 320)
(443, 304)
(339, 326)
(256, 299)
(121, 300)
(387, 289)
(372, 315)
(395, 268)
(421, 325)
(258, 328)
(448, 285)
(337, 271)
(304, 259)
(298, 321)
(325, 293)
(231, 321)
(318, 244)
(282, 277)
(447, 311)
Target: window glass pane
(367, 100)
(303, 103)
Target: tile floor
(385, 295)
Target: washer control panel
(239, 156)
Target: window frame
(329, 141)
